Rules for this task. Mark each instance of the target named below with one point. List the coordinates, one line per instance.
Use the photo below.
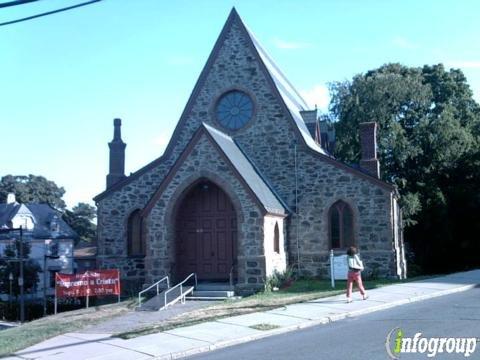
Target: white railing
(157, 284)
(182, 294)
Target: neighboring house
(51, 239)
(247, 185)
(85, 256)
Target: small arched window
(135, 235)
(276, 239)
(340, 218)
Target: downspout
(296, 208)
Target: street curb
(310, 323)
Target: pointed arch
(276, 239)
(341, 225)
(135, 234)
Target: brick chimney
(117, 155)
(368, 146)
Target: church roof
(292, 99)
(244, 166)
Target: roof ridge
(221, 133)
(259, 46)
(249, 160)
(259, 173)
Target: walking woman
(355, 267)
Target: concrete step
(219, 298)
(213, 293)
(203, 298)
(214, 286)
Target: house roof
(85, 250)
(244, 166)
(42, 215)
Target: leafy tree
(32, 189)
(80, 219)
(31, 269)
(428, 144)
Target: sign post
(332, 270)
(338, 267)
(118, 285)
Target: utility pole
(10, 279)
(45, 281)
(45, 257)
(21, 280)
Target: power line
(15, 3)
(49, 12)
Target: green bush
(279, 279)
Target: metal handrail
(181, 289)
(157, 284)
(230, 275)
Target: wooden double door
(206, 233)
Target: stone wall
(210, 165)
(274, 261)
(321, 185)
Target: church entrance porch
(206, 233)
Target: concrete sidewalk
(212, 335)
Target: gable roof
(42, 215)
(290, 96)
(291, 100)
(241, 165)
(271, 202)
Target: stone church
(246, 186)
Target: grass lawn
(301, 290)
(36, 331)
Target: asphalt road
(363, 337)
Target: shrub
(279, 279)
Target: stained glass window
(234, 109)
(341, 225)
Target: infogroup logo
(397, 343)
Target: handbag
(359, 263)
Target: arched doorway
(206, 233)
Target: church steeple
(117, 155)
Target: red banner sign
(90, 283)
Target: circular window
(234, 109)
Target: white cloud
(318, 95)
(290, 45)
(464, 64)
(404, 43)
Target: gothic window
(276, 239)
(135, 241)
(341, 225)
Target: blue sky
(64, 77)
